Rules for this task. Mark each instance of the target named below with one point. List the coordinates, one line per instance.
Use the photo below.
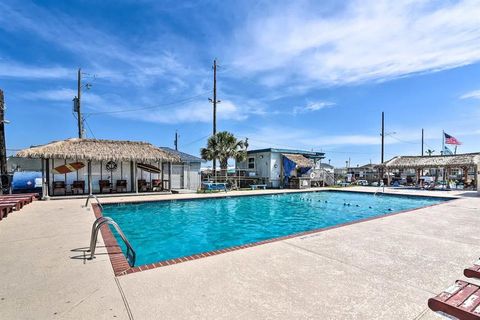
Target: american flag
(451, 140)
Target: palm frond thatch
(300, 160)
(98, 150)
(411, 162)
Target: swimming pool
(164, 230)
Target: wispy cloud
(313, 106)
(114, 59)
(10, 69)
(367, 41)
(471, 95)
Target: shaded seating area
(15, 202)
(93, 166)
(443, 165)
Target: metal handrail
(96, 198)
(93, 239)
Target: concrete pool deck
(384, 268)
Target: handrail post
(96, 198)
(93, 238)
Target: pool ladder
(131, 255)
(96, 198)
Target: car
(362, 183)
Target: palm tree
(429, 152)
(224, 146)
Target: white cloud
(471, 95)
(198, 111)
(368, 41)
(313, 106)
(66, 95)
(15, 70)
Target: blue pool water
(172, 229)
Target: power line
(148, 108)
(404, 141)
(197, 140)
(89, 129)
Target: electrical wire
(194, 141)
(148, 108)
(89, 129)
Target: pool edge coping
(121, 266)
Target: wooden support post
(44, 181)
(162, 169)
(135, 176)
(89, 177)
(170, 176)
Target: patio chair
(460, 300)
(142, 185)
(59, 185)
(105, 185)
(156, 185)
(78, 187)
(121, 186)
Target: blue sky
(293, 74)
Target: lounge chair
(105, 185)
(473, 272)
(156, 185)
(461, 300)
(25, 200)
(5, 210)
(78, 187)
(17, 205)
(59, 185)
(121, 186)
(142, 185)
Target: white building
(186, 174)
(266, 166)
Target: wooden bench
(258, 186)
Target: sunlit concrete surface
(384, 268)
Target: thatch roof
(94, 149)
(300, 160)
(412, 162)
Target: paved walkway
(384, 269)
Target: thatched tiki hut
(81, 166)
(467, 162)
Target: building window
(251, 163)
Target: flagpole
(443, 142)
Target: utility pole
(78, 103)
(214, 101)
(422, 143)
(383, 145)
(176, 140)
(215, 97)
(3, 147)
